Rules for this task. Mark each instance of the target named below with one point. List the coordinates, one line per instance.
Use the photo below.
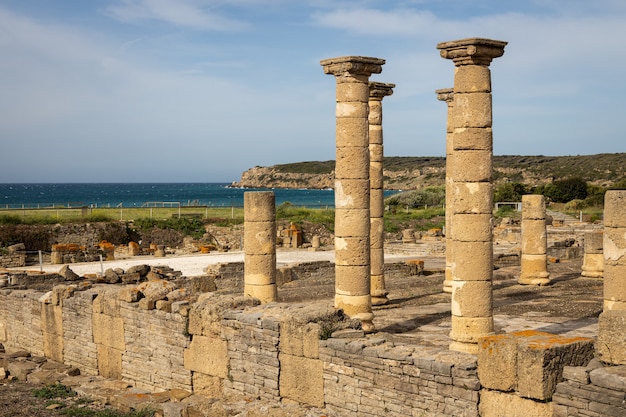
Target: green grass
(54, 391)
(297, 215)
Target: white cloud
(196, 14)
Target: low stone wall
(13, 260)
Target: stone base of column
(265, 293)
(357, 307)
(611, 345)
(533, 270)
(464, 347)
(593, 265)
(379, 294)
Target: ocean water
(149, 194)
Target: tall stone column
(447, 95)
(534, 269)
(377, 198)
(259, 242)
(611, 344)
(352, 188)
(471, 180)
(593, 258)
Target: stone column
(611, 345)
(593, 259)
(377, 198)
(534, 269)
(447, 95)
(259, 242)
(471, 179)
(352, 188)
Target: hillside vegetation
(416, 172)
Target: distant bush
(429, 196)
(562, 191)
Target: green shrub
(54, 391)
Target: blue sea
(147, 194)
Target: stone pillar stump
(593, 258)
(534, 261)
(259, 242)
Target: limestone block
(264, 293)
(352, 279)
(207, 385)
(534, 270)
(260, 269)
(611, 344)
(375, 116)
(376, 180)
(470, 329)
(615, 283)
(352, 194)
(259, 206)
(533, 207)
(351, 109)
(52, 329)
(472, 79)
(352, 162)
(259, 238)
(471, 110)
(534, 237)
(614, 213)
(497, 362)
(473, 261)
(352, 222)
(108, 331)
(471, 197)
(472, 166)
(208, 355)
(352, 91)
(472, 227)
(301, 379)
(468, 138)
(376, 232)
(594, 242)
(376, 136)
(353, 132)
(377, 262)
(299, 339)
(107, 303)
(614, 245)
(500, 404)
(109, 362)
(471, 298)
(541, 358)
(352, 250)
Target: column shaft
(377, 199)
(352, 188)
(534, 262)
(470, 172)
(260, 245)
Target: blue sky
(201, 90)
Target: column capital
(445, 94)
(472, 51)
(379, 90)
(352, 65)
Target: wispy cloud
(196, 14)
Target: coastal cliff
(406, 173)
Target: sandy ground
(194, 265)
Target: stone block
(593, 242)
(353, 132)
(500, 404)
(352, 92)
(472, 79)
(109, 362)
(473, 261)
(302, 379)
(471, 197)
(472, 166)
(300, 339)
(470, 329)
(108, 331)
(615, 284)
(260, 269)
(497, 362)
(473, 138)
(534, 237)
(352, 279)
(471, 298)
(471, 227)
(533, 270)
(208, 355)
(541, 358)
(352, 250)
(264, 293)
(614, 213)
(259, 238)
(207, 385)
(352, 194)
(351, 109)
(611, 344)
(352, 222)
(612, 377)
(471, 110)
(352, 162)
(614, 245)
